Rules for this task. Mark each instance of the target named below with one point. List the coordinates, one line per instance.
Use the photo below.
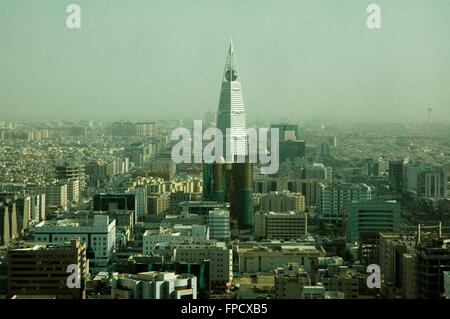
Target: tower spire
(231, 113)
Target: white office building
(99, 235)
(154, 285)
(179, 233)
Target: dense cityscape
(345, 196)
(235, 205)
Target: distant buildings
(373, 166)
(396, 176)
(432, 183)
(290, 146)
(127, 129)
(317, 171)
(71, 170)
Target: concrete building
(115, 201)
(398, 263)
(290, 280)
(287, 225)
(180, 233)
(313, 292)
(68, 170)
(332, 199)
(154, 285)
(266, 259)
(433, 260)
(37, 207)
(141, 206)
(396, 176)
(99, 235)
(219, 224)
(146, 129)
(340, 278)
(317, 171)
(282, 202)
(372, 216)
(447, 284)
(432, 184)
(5, 224)
(220, 256)
(55, 194)
(373, 166)
(158, 203)
(73, 190)
(202, 208)
(42, 270)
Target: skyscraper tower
(231, 113)
(229, 181)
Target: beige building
(281, 225)
(260, 258)
(289, 281)
(398, 263)
(282, 202)
(340, 278)
(158, 204)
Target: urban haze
(134, 165)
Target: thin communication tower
(429, 115)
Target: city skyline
(306, 60)
(318, 169)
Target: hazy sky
(153, 59)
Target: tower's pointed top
(230, 64)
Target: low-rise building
(154, 285)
